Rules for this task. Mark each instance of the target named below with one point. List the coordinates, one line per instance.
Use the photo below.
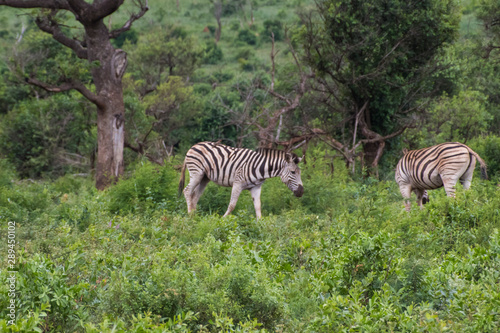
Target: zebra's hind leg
(466, 178)
(449, 183)
(235, 194)
(189, 191)
(405, 190)
(198, 191)
(422, 197)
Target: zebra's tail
(182, 179)
(484, 173)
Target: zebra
(436, 166)
(239, 168)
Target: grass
(345, 255)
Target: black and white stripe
(239, 168)
(436, 166)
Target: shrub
(247, 36)
(274, 26)
(213, 54)
(23, 203)
(149, 187)
(245, 53)
(47, 289)
(47, 136)
(489, 149)
(7, 173)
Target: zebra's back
(425, 168)
(217, 161)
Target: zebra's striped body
(436, 166)
(239, 168)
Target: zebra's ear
(299, 159)
(405, 151)
(292, 158)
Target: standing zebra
(241, 168)
(436, 166)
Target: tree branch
(489, 49)
(48, 25)
(134, 17)
(66, 86)
(385, 138)
(94, 12)
(49, 4)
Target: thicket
(344, 257)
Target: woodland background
(348, 83)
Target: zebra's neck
(269, 164)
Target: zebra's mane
(279, 151)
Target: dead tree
(218, 15)
(267, 125)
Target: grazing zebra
(436, 166)
(241, 168)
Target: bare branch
(140, 150)
(489, 49)
(48, 25)
(143, 4)
(385, 138)
(49, 4)
(19, 37)
(66, 86)
(363, 108)
(272, 61)
(294, 54)
(218, 15)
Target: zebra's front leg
(235, 194)
(255, 192)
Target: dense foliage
(345, 257)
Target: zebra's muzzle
(299, 191)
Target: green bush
(489, 149)
(47, 137)
(273, 26)
(24, 202)
(45, 285)
(149, 187)
(247, 36)
(213, 54)
(245, 53)
(7, 173)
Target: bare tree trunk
(111, 111)
(218, 15)
(110, 138)
(374, 143)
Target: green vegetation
(345, 257)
